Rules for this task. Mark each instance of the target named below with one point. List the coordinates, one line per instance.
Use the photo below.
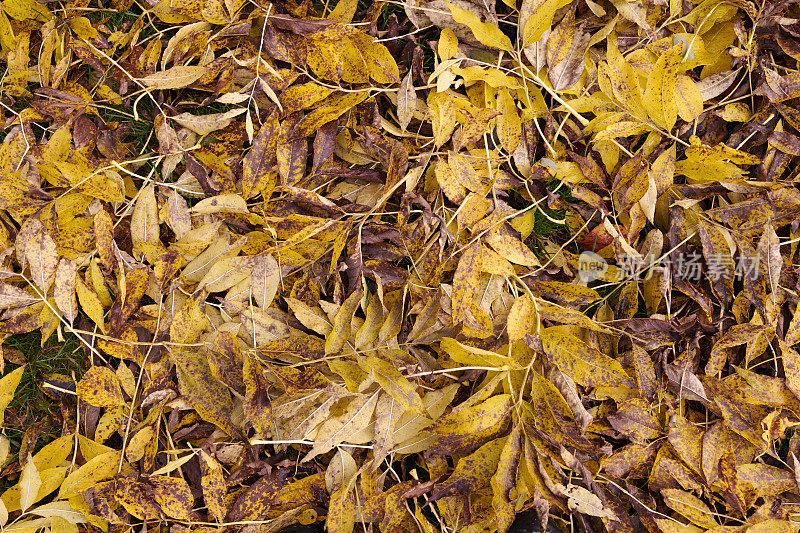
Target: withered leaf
(465, 282)
(467, 429)
(173, 496)
(340, 428)
(471, 471)
(174, 78)
(585, 364)
(100, 387)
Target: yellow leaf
(472, 356)
(214, 13)
(64, 294)
(427, 317)
(623, 80)
(292, 156)
(340, 334)
(202, 391)
(136, 445)
(60, 510)
(344, 11)
(566, 47)
(472, 472)
(582, 501)
(334, 107)
(144, 220)
(494, 263)
(174, 78)
(90, 303)
(226, 273)
(465, 173)
(735, 112)
(42, 255)
(406, 101)
(509, 124)
(488, 34)
(505, 480)
(95, 470)
(11, 296)
(473, 210)
(109, 423)
(663, 169)
(447, 181)
(214, 488)
(688, 98)
(27, 526)
(5, 446)
(341, 471)
(341, 510)
(507, 245)
(395, 383)
(257, 176)
(659, 96)
(303, 96)
(465, 281)
(100, 387)
(29, 483)
(443, 116)
(536, 17)
(521, 317)
(714, 163)
(690, 506)
(338, 429)
(773, 525)
(57, 148)
(54, 453)
(373, 321)
(8, 385)
(311, 317)
(205, 124)
(466, 429)
(387, 415)
(379, 63)
(173, 496)
(83, 28)
(26, 10)
(222, 203)
(448, 44)
(566, 293)
(625, 128)
(585, 364)
(51, 479)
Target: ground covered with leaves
(399, 266)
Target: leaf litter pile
(401, 267)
